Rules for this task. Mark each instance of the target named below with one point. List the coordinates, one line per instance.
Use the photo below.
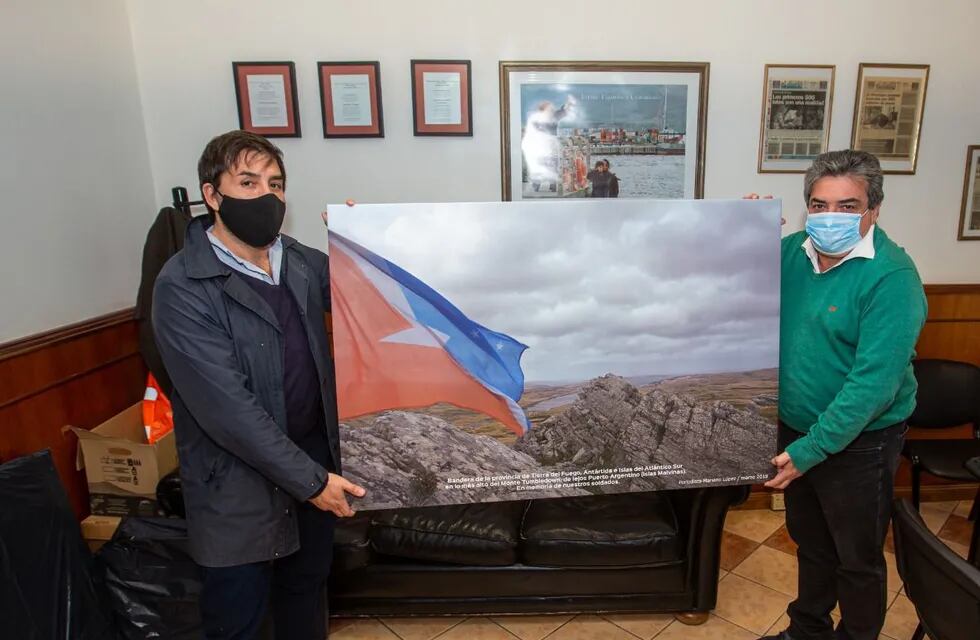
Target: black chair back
(944, 587)
(948, 395)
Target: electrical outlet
(777, 502)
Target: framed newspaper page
(888, 109)
(602, 129)
(970, 210)
(796, 105)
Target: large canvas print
(502, 351)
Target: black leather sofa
(651, 552)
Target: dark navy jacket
(221, 343)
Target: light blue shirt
(244, 266)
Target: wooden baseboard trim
(38, 341)
(930, 493)
(940, 492)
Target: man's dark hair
(223, 151)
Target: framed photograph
(970, 210)
(796, 105)
(888, 109)
(266, 96)
(442, 98)
(350, 99)
(603, 129)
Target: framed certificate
(796, 105)
(350, 99)
(888, 109)
(442, 98)
(603, 129)
(970, 209)
(266, 96)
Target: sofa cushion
(471, 534)
(608, 530)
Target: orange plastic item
(158, 416)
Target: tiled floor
(758, 580)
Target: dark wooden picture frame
(331, 128)
(241, 71)
(465, 98)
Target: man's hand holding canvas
(333, 498)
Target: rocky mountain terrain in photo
(409, 458)
(406, 459)
(613, 424)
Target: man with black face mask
(239, 320)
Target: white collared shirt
(863, 249)
(244, 266)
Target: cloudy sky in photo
(632, 287)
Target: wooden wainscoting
(952, 332)
(80, 375)
(952, 329)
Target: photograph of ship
(570, 130)
(502, 351)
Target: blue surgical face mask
(834, 233)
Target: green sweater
(847, 339)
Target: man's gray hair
(849, 162)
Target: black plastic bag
(153, 584)
(152, 581)
(46, 585)
(170, 496)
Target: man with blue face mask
(852, 309)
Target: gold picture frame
(630, 111)
(797, 105)
(889, 105)
(969, 228)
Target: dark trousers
(234, 600)
(838, 513)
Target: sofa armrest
(351, 545)
(701, 517)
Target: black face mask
(254, 221)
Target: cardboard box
(97, 530)
(121, 468)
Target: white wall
(75, 181)
(184, 50)
(77, 112)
